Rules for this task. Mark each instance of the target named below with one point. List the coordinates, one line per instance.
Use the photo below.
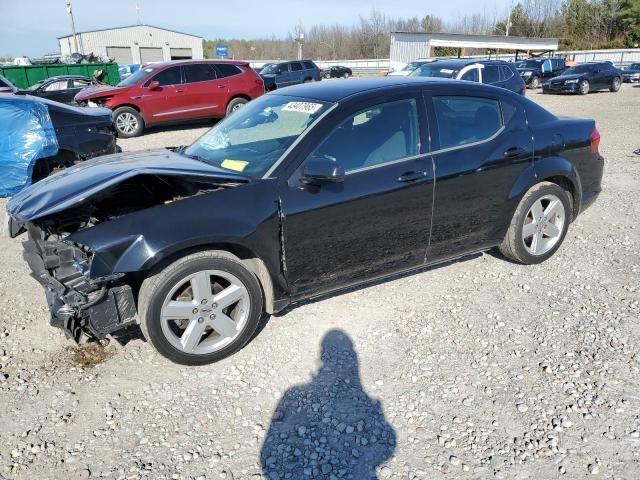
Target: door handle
(514, 152)
(221, 86)
(411, 176)
(179, 91)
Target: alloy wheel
(543, 225)
(584, 87)
(205, 312)
(126, 123)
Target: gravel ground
(477, 369)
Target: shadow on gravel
(329, 427)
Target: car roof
(192, 61)
(463, 62)
(339, 91)
(64, 77)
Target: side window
(466, 120)
(283, 68)
(199, 72)
(505, 72)
(490, 74)
(227, 70)
(471, 75)
(60, 85)
(374, 136)
(169, 76)
(308, 65)
(296, 66)
(80, 83)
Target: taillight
(594, 140)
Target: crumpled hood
(74, 185)
(99, 92)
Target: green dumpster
(23, 76)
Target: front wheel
(346, 75)
(201, 308)
(128, 122)
(539, 224)
(535, 83)
(584, 87)
(615, 84)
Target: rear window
(466, 120)
(308, 65)
(490, 74)
(505, 72)
(227, 70)
(296, 66)
(199, 72)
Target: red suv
(173, 91)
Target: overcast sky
(30, 27)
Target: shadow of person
(328, 428)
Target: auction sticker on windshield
(304, 107)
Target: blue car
(585, 78)
(285, 74)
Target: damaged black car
(305, 191)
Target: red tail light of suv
(175, 91)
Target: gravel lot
(478, 369)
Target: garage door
(181, 54)
(149, 54)
(120, 55)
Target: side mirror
(155, 85)
(322, 169)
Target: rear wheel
(539, 224)
(346, 75)
(200, 308)
(235, 105)
(128, 122)
(584, 87)
(615, 84)
(307, 80)
(535, 83)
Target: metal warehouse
(135, 44)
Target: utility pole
(73, 26)
(300, 41)
(508, 21)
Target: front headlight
(570, 82)
(527, 74)
(635, 75)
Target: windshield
(434, 70)
(270, 68)
(253, 139)
(529, 64)
(578, 69)
(36, 86)
(135, 78)
(634, 66)
(411, 66)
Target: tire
(307, 80)
(128, 122)
(535, 83)
(346, 75)
(521, 249)
(235, 104)
(163, 296)
(616, 83)
(584, 87)
(327, 75)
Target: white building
(135, 44)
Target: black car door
(376, 221)
(481, 144)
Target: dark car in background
(631, 74)
(285, 74)
(305, 191)
(491, 72)
(535, 70)
(585, 78)
(62, 89)
(336, 71)
(42, 135)
(176, 91)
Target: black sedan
(59, 89)
(336, 71)
(585, 78)
(631, 74)
(307, 190)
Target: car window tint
(170, 76)
(59, 85)
(505, 72)
(199, 72)
(308, 65)
(471, 75)
(490, 74)
(374, 136)
(296, 66)
(465, 120)
(80, 83)
(227, 70)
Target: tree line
(579, 24)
